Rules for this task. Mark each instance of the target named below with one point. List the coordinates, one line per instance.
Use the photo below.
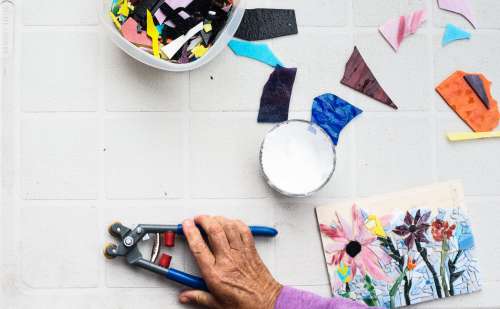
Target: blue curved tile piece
(332, 114)
(258, 51)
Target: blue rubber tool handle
(186, 279)
(197, 282)
(262, 231)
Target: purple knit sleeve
(291, 298)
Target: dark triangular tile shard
(275, 100)
(264, 24)
(359, 77)
(477, 85)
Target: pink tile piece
(160, 16)
(396, 29)
(184, 15)
(129, 31)
(461, 7)
(174, 4)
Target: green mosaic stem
(373, 300)
(444, 254)
(407, 290)
(394, 253)
(454, 275)
(423, 254)
(395, 287)
(452, 289)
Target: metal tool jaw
(130, 238)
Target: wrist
(273, 292)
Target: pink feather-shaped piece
(397, 29)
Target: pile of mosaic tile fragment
(179, 31)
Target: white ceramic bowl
(220, 43)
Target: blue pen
(129, 238)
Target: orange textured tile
(463, 100)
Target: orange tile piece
(464, 101)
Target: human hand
(231, 267)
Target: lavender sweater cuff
(291, 298)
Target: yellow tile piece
(199, 51)
(124, 9)
(115, 20)
(153, 34)
(467, 136)
(207, 27)
(375, 226)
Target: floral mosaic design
(400, 259)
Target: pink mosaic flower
(356, 247)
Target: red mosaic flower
(442, 230)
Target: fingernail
(188, 223)
(183, 299)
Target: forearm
(290, 298)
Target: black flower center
(412, 229)
(353, 248)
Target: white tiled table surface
(91, 136)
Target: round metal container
(297, 158)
